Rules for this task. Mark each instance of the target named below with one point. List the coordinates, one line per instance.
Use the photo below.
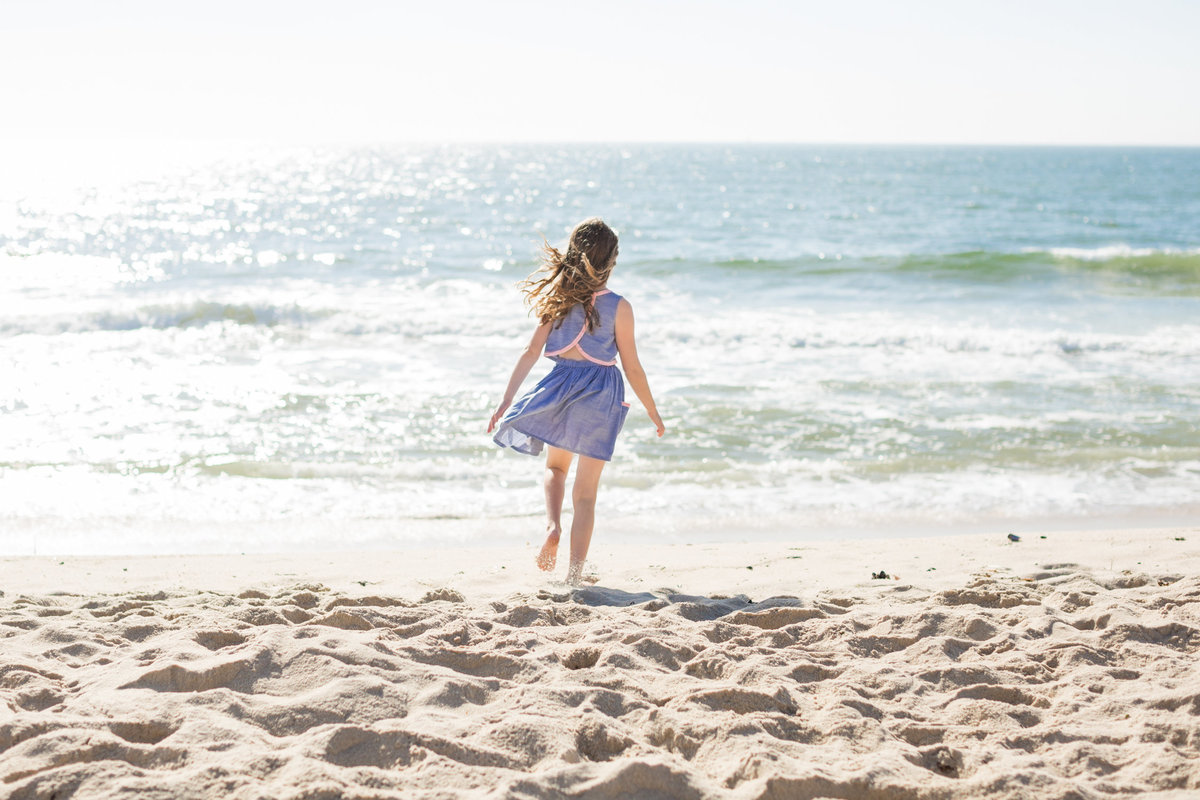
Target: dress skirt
(579, 406)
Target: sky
(294, 71)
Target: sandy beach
(1061, 666)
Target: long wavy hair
(565, 280)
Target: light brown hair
(565, 280)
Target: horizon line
(377, 142)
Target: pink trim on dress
(582, 331)
(573, 343)
(583, 353)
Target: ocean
(275, 348)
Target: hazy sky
(1024, 71)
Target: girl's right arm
(627, 348)
(529, 357)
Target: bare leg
(557, 464)
(583, 518)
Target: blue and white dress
(580, 405)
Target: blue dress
(580, 405)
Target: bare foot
(575, 576)
(549, 555)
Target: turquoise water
(838, 336)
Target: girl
(579, 408)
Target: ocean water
(212, 355)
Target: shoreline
(117, 537)
(490, 571)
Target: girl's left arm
(529, 357)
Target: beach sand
(1062, 666)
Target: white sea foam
(1116, 251)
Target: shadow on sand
(693, 607)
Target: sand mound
(1050, 686)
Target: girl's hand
(500, 409)
(658, 424)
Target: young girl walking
(579, 407)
